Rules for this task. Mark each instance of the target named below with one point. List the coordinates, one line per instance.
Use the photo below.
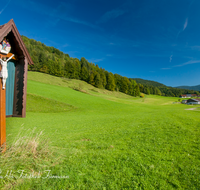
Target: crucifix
(4, 70)
(3, 77)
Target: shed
(13, 94)
(193, 101)
(16, 83)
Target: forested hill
(190, 87)
(54, 62)
(149, 82)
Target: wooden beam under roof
(8, 55)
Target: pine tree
(137, 92)
(124, 85)
(98, 81)
(110, 82)
(103, 78)
(118, 83)
(157, 91)
(91, 79)
(84, 75)
(147, 91)
(134, 86)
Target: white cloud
(65, 45)
(165, 68)
(195, 48)
(111, 15)
(187, 63)
(185, 25)
(170, 59)
(61, 11)
(5, 7)
(183, 64)
(94, 60)
(109, 55)
(53, 22)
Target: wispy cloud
(71, 19)
(149, 55)
(72, 53)
(5, 7)
(53, 22)
(111, 15)
(165, 68)
(170, 59)
(195, 48)
(183, 64)
(109, 55)
(185, 25)
(187, 63)
(65, 45)
(60, 12)
(94, 60)
(111, 43)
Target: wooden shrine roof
(10, 27)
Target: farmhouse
(14, 60)
(187, 95)
(193, 101)
(184, 101)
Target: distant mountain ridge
(189, 87)
(149, 82)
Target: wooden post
(2, 117)
(24, 87)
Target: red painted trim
(2, 117)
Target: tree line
(54, 62)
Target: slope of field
(104, 140)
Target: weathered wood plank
(2, 117)
(18, 91)
(24, 87)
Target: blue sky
(151, 39)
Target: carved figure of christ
(4, 70)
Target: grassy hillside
(197, 88)
(100, 140)
(149, 82)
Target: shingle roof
(11, 27)
(196, 99)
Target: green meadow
(76, 136)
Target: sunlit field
(89, 138)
